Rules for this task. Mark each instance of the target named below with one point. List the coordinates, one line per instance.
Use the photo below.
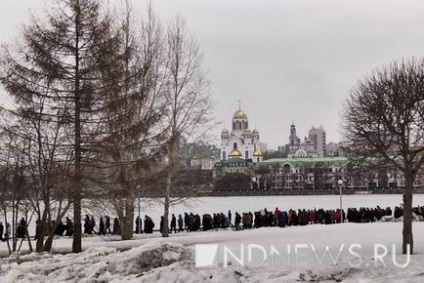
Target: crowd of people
(261, 218)
(194, 222)
(268, 218)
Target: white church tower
(241, 142)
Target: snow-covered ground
(367, 252)
(355, 253)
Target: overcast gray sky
(288, 60)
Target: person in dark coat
(161, 225)
(148, 225)
(107, 225)
(197, 222)
(21, 229)
(398, 212)
(69, 227)
(186, 221)
(102, 230)
(237, 221)
(92, 224)
(180, 223)
(60, 228)
(173, 223)
(116, 227)
(283, 219)
(87, 225)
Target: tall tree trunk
(127, 221)
(77, 195)
(407, 238)
(165, 229)
(15, 225)
(49, 242)
(39, 246)
(76, 241)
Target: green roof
(305, 161)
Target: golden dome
(257, 153)
(309, 141)
(234, 153)
(240, 114)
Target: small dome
(255, 131)
(257, 153)
(224, 131)
(240, 114)
(234, 153)
(300, 153)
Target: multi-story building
(318, 139)
(233, 174)
(302, 173)
(324, 173)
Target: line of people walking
(299, 217)
(194, 222)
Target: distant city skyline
(287, 61)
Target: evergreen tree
(58, 60)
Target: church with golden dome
(241, 142)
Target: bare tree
(36, 141)
(188, 99)
(12, 188)
(47, 167)
(385, 113)
(59, 59)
